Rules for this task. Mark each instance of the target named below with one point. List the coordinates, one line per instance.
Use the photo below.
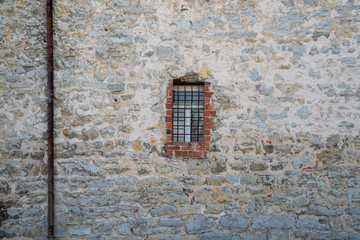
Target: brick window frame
(189, 150)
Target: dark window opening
(188, 112)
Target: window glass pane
(188, 112)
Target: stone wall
(284, 158)
(23, 120)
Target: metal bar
(198, 116)
(177, 119)
(187, 119)
(50, 61)
(187, 125)
(201, 110)
(191, 114)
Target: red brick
(203, 148)
(208, 107)
(173, 148)
(168, 119)
(208, 94)
(169, 125)
(206, 131)
(187, 144)
(199, 154)
(168, 138)
(206, 101)
(184, 153)
(207, 83)
(208, 126)
(192, 154)
(178, 153)
(169, 106)
(207, 138)
(169, 100)
(208, 120)
(213, 113)
(169, 112)
(169, 153)
(206, 113)
(187, 148)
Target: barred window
(188, 112)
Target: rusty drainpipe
(50, 61)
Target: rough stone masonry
(284, 156)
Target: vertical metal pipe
(50, 61)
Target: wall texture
(284, 158)
(23, 169)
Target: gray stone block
(234, 223)
(199, 224)
(278, 234)
(102, 228)
(303, 113)
(328, 235)
(353, 211)
(79, 230)
(170, 222)
(102, 52)
(254, 236)
(116, 87)
(98, 33)
(164, 51)
(299, 50)
(144, 226)
(219, 236)
(312, 223)
(60, 226)
(254, 75)
(354, 236)
(353, 193)
(120, 40)
(162, 210)
(138, 11)
(272, 221)
(319, 211)
(122, 227)
(183, 26)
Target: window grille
(188, 112)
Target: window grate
(188, 112)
